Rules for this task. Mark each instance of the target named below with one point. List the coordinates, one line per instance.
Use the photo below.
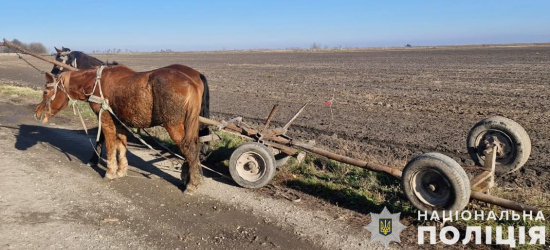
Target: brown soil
(389, 105)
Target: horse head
(55, 97)
(77, 59)
(63, 56)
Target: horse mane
(118, 67)
(77, 54)
(112, 63)
(65, 77)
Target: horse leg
(121, 144)
(96, 157)
(109, 131)
(190, 170)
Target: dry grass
(344, 185)
(365, 191)
(9, 90)
(36, 95)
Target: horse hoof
(121, 174)
(109, 176)
(190, 190)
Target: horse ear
(49, 78)
(65, 49)
(58, 50)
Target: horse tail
(190, 146)
(205, 105)
(192, 108)
(204, 130)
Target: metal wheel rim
(431, 187)
(251, 166)
(509, 148)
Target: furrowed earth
(388, 105)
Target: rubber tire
(452, 172)
(265, 153)
(513, 130)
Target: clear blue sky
(251, 24)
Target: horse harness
(57, 84)
(105, 106)
(100, 99)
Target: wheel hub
(504, 146)
(251, 166)
(499, 146)
(431, 187)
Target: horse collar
(100, 99)
(93, 98)
(99, 72)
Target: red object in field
(329, 102)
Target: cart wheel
(435, 182)
(252, 165)
(515, 142)
(281, 159)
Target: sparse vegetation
(15, 91)
(362, 190)
(113, 51)
(344, 185)
(34, 47)
(84, 108)
(315, 46)
(20, 91)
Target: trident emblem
(385, 227)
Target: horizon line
(333, 48)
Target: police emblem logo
(387, 225)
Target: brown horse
(163, 96)
(82, 60)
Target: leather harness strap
(105, 106)
(99, 99)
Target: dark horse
(81, 60)
(77, 59)
(163, 96)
